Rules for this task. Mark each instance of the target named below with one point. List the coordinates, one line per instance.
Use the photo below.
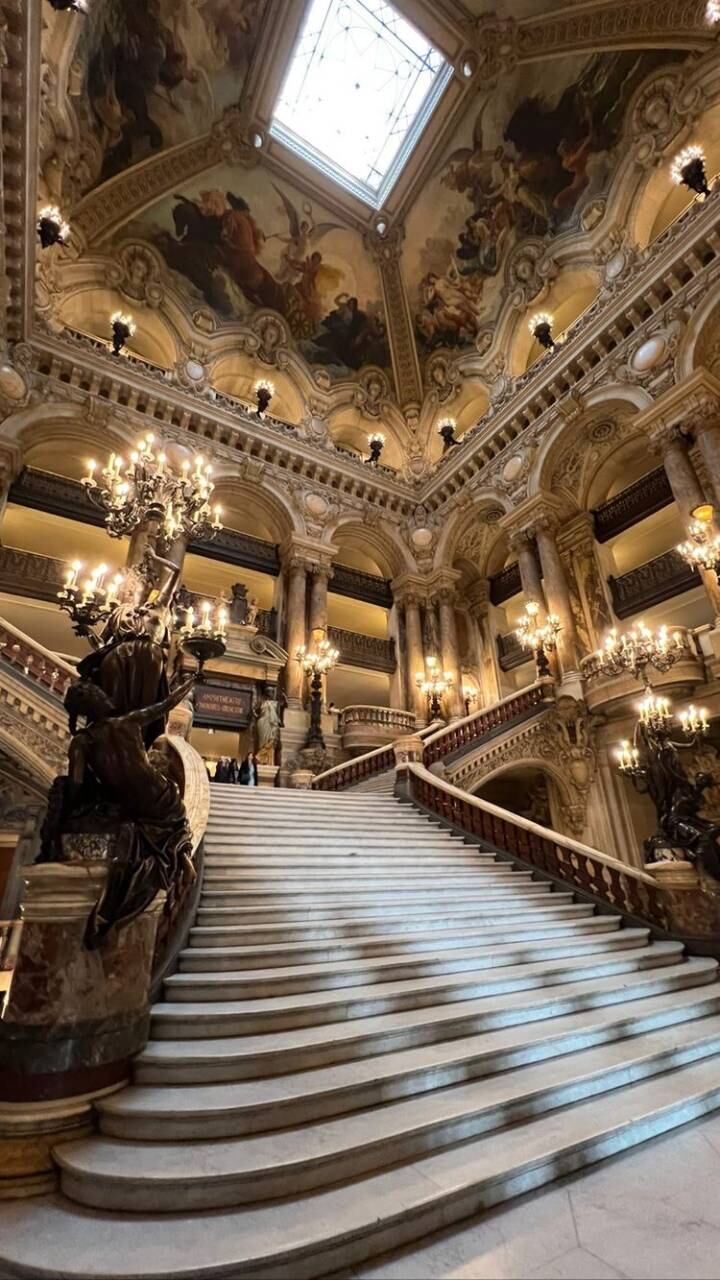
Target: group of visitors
(230, 770)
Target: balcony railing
(488, 723)
(651, 583)
(505, 584)
(358, 650)
(650, 493)
(511, 653)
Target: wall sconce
(264, 392)
(446, 429)
(123, 327)
(470, 697)
(688, 169)
(51, 227)
(540, 327)
(376, 442)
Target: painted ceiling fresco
(533, 161)
(158, 72)
(240, 241)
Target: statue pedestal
(301, 779)
(692, 898)
(73, 1018)
(267, 773)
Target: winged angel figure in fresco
(551, 158)
(221, 248)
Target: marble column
(707, 434)
(687, 492)
(558, 596)
(521, 544)
(591, 606)
(320, 575)
(450, 656)
(478, 602)
(294, 628)
(10, 466)
(415, 661)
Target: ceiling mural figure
(539, 155)
(240, 242)
(159, 72)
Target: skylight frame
(312, 154)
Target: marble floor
(652, 1214)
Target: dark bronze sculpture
(677, 799)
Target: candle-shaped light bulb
(134, 456)
(189, 618)
(205, 608)
(221, 620)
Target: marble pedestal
(692, 900)
(267, 773)
(72, 1018)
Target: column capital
(477, 597)
(443, 581)
(673, 408)
(577, 533)
(307, 553)
(409, 588)
(539, 512)
(11, 461)
(664, 436)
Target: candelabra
(376, 442)
(52, 227)
(702, 548)
(637, 650)
(317, 662)
(541, 638)
(469, 698)
(264, 392)
(541, 328)
(146, 488)
(446, 429)
(204, 637)
(91, 601)
(688, 168)
(434, 684)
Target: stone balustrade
(37, 664)
(364, 727)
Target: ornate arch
(255, 487)
(475, 526)
(379, 538)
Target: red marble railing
(34, 661)
(353, 771)
(518, 707)
(625, 888)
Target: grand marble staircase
(375, 1030)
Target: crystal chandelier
(541, 638)
(434, 683)
(638, 649)
(147, 488)
(702, 548)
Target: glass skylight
(361, 84)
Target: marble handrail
(364, 713)
(360, 767)
(474, 727)
(36, 662)
(626, 888)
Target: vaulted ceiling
(155, 141)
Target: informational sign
(221, 703)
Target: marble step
(361, 877)
(227, 958)
(229, 935)
(307, 838)
(349, 894)
(147, 1111)
(155, 1177)
(325, 975)
(242, 1057)
(419, 857)
(304, 1237)
(403, 819)
(178, 1020)
(535, 896)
